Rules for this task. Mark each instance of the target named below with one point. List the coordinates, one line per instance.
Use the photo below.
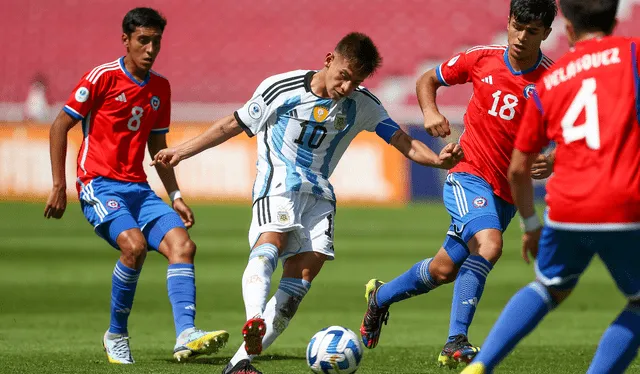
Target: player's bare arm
(156, 143)
(434, 122)
(418, 152)
(522, 190)
(57, 201)
(220, 131)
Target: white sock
(256, 280)
(278, 313)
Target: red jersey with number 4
(494, 111)
(118, 113)
(590, 104)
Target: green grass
(55, 279)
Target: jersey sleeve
(254, 114)
(456, 70)
(532, 136)
(374, 117)
(83, 96)
(164, 117)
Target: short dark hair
(359, 50)
(590, 15)
(142, 17)
(526, 11)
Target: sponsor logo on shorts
(283, 216)
(113, 204)
(479, 202)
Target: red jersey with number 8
(495, 109)
(118, 113)
(590, 104)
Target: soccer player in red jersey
(124, 106)
(590, 107)
(476, 192)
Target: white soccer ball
(335, 349)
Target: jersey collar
(133, 79)
(513, 71)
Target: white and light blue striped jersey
(301, 136)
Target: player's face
(525, 38)
(341, 78)
(143, 46)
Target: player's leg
(421, 278)
(620, 342)
(166, 233)
(561, 260)
(104, 204)
(305, 252)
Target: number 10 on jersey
(317, 135)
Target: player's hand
(56, 203)
(168, 157)
(450, 155)
(437, 125)
(530, 244)
(186, 214)
(542, 167)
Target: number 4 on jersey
(586, 100)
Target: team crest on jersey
(112, 204)
(528, 91)
(82, 94)
(320, 113)
(341, 122)
(255, 110)
(155, 102)
(283, 217)
(479, 202)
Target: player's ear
(329, 59)
(125, 39)
(571, 33)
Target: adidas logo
(124, 311)
(472, 302)
(190, 307)
(121, 98)
(488, 79)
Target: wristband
(530, 224)
(175, 195)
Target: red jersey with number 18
(494, 111)
(590, 102)
(118, 113)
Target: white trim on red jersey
(100, 69)
(604, 226)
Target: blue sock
(619, 344)
(415, 281)
(123, 287)
(181, 284)
(467, 292)
(521, 315)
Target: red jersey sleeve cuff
(72, 112)
(440, 77)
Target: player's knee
(183, 251)
(443, 273)
(558, 296)
(490, 251)
(134, 249)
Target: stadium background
(215, 53)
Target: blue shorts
(564, 255)
(473, 207)
(112, 207)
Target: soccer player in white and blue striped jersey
(304, 121)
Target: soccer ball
(335, 349)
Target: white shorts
(306, 217)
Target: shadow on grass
(225, 360)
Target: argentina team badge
(155, 102)
(340, 122)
